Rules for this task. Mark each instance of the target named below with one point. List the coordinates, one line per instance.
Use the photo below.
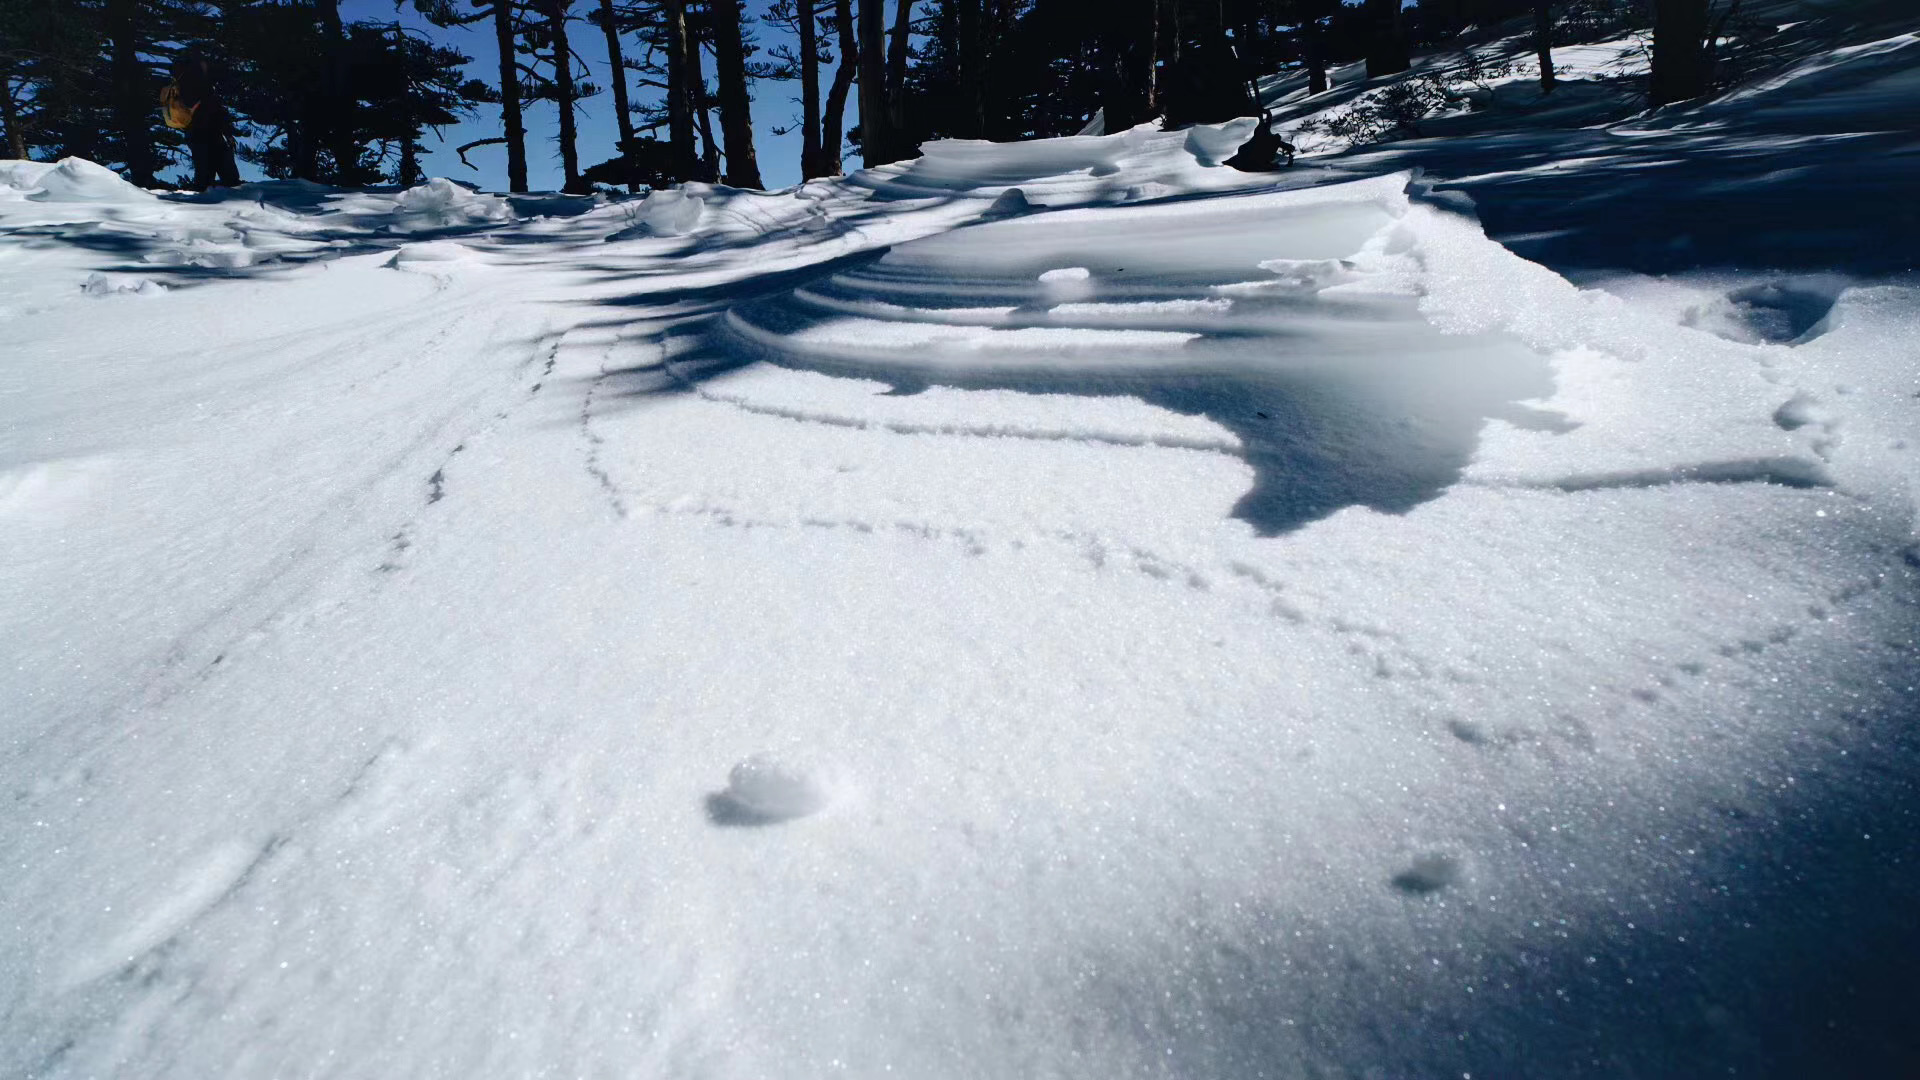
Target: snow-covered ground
(1065, 609)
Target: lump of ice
(764, 790)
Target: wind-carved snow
(1308, 613)
(1289, 361)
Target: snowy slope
(1806, 166)
(1064, 609)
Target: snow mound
(18, 177)
(671, 213)
(79, 180)
(441, 204)
(1009, 203)
(434, 256)
(1211, 144)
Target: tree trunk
(616, 59)
(1679, 50)
(1314, 57)
(409, 160)
(129, 95)
(897, 80)
(516, 131)
(10, 116)
(1153, 59)
(808, 30)
(337, 100)
(876, 140)
(557, 11)
(702, 109)
(1386, 45)
(832, 120)
(1543, 43)
(679, 92)
(972, 74)
(736, 105)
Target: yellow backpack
(178, 116)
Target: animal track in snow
(1790, 472)
(1805, 410)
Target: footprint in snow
(764, 790)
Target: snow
(1166, 621)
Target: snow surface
(1061, 609)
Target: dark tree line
(321, 99)
(340, 102)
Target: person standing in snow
(193, 104)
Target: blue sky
(774, 104)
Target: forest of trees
(342, 102)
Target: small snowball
(1066, 273)
(1429, 872)
(1798, 412)
(1008, 203)
(763, 790)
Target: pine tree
(49, 51)
(82, 78)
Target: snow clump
(671, 213)
(763, 790)
(440, 204)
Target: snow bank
(77, 180)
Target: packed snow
(1062, 609)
